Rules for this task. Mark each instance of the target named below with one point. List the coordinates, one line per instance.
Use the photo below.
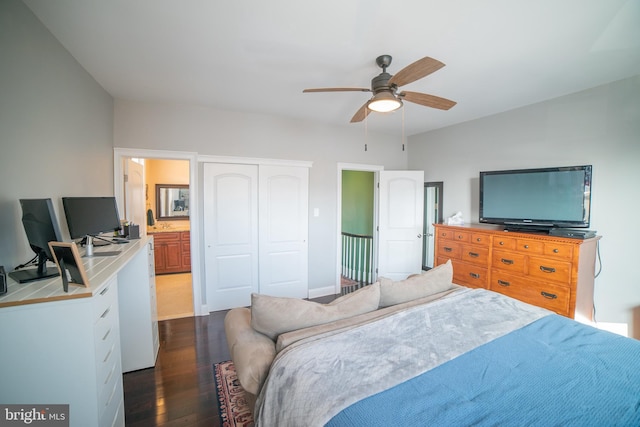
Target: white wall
(56, 127)
(209, 131)
(599, 126)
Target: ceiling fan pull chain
(403, 129)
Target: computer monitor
(91, 216)
(41, 226)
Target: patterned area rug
(233, 408)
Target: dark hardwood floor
(180, 390)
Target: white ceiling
(258, 56)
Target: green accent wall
(357, 202)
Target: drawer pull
(474, 275)
(106, 312)
(104, 338)
(503, 283)
(473, 255)
(478, 239)
(446, 249)
(555, 251)
(548, 295)
(506, 261)
(547, 269)
(460, 236)
(526, 246)
(108, 355)
(104, 291)
(501, 243)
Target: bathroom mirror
(172, 202)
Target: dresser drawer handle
(446, 249)
(501, 243)
(547, 269)
(473, 255)
(478, 239)
(526, 246)
(460, 236)
(506, 261)
(555, 251)
(548, 295)
(105, 312)
(104, 291)
(503, 283)
(474, 275)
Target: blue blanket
(554, 371)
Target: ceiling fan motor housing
(381, 83)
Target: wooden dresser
(548, 271)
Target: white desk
(71, 348)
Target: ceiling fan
(385, 86)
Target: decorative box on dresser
(548, 271)
(70, 347)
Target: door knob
(419, 236)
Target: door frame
(439, 186)
(362, 168)
(199, 309)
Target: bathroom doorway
(145, 181)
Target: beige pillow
(416, 286)
(273, 316)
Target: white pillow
(273, 316)
(430, 282)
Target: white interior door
(283, 225)
(400, 223)
(134, 194)
(230, 234)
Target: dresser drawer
(475, 254)
(502, 242)
(445, 234)
(550, 269)
(530, 246)
(469, 275)
(542, 294)
(509, 261)
(104, 299)
(480, 239)
(449, 250)
(462, 236)
(558, 250)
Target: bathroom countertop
(172, 229)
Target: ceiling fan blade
(338, 89)
(412, 72)
(427, 100)
(361, 114)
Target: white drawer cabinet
(65, 352)
(138, 312)
(68, 347)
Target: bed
(472, 357)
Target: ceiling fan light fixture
(384, 102)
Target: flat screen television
(91, 216)
(41, 226)
(544, 198)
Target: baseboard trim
(322, 292)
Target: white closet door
(230, 234)
(400, 215)
(284, 221)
